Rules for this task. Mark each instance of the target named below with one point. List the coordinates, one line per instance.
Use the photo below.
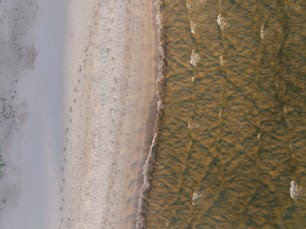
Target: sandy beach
(79, 79)
(110, 83)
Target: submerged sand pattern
(231, 146)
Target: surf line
(148, 168)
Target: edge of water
(148, 168)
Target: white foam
(262, 31)
(222, 22)
(192, 26)
(296, 190)
(221, 60)
(195, 58)
(196, 197)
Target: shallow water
(231, 151)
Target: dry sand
(111, 101)
(80, 76)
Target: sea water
(231, 146)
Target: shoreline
(148, 167)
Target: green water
(232, 140)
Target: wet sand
(32, 124)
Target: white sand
(112, 70)
(85, 89)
